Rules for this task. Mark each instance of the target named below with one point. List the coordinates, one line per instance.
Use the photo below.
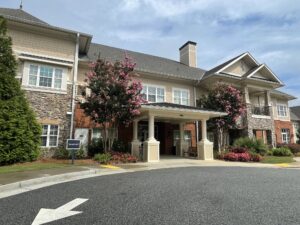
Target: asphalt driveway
(195, 195)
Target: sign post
(73, 145)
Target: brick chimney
(188, 54)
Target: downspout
(197, 122)
(75, 70)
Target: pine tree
(19, 129)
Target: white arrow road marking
(48, 215)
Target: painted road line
(49, 215)
(110, 167)
(283, 165)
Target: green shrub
(119, 146)
(270, 152)
(282, 152)
(80, 154)
(253, 144)
(102, 158)
(295, 148)
(20, 133)
(61, 153)
(95, 147)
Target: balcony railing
(260, 110)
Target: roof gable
(263, 72)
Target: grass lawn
(41, 165)
(277, 159)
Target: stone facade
(51, 108)
(259, 123)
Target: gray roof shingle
(19, 14)
(145, 62)
(295, 113)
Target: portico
(176, 114)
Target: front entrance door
(82, 134)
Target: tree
(115, 96)
(298, 136)
(224, 98)
(19, 130)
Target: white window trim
(93, 133)
(52, 89)
(155, 86)
(48, 136)
(181, 89)
(287, 133)
(286, 110)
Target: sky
(268, 29)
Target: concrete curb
(36, 183)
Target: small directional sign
(49, 215)
(73, 144)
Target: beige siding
(276, 102)
(239, 68)
(41, 44)
(169, 85)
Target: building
(52, 66)
(295, 118)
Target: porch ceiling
(170, 111)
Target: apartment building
(52, 66)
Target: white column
(151, 146)
(151, 128)
(205, 147)
(204, 129)
(267, 98)
(246, 95)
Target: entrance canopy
(178, 112)
(174, 113)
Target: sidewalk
(18, 182)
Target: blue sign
(73, 144)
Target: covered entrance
(167, 132)
(152, 144)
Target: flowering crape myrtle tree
(115, 96)
(224, 98)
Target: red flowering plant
(223, 98)
(241, 154)
(115, 96)
(120, 157)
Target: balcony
(260, 110)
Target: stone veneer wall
(52, 108)
(253, 123)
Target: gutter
(75, 70)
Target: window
(282, 110)
(96, 133)
(285, 134)
(50, 136)
(153, 93)
(181, 96)
(45, 76)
